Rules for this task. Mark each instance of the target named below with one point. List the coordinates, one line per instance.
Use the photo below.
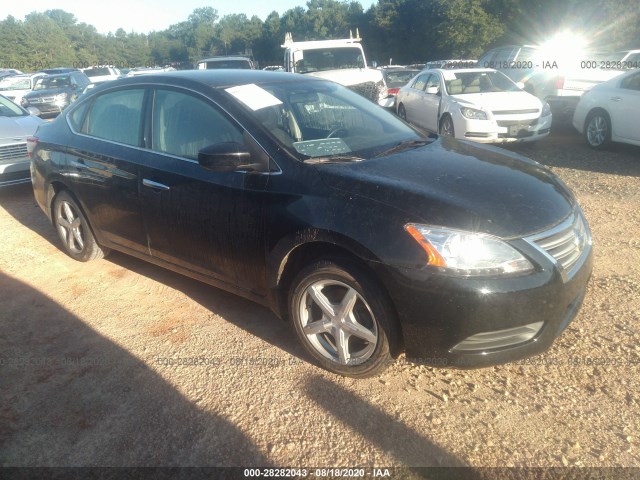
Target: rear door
(103, 168)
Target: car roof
(217, 78)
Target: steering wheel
(336, 131)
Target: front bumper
(503, 130)
(470, 323)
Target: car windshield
(15, 83)
(320, 119)
(97, 72)
(10, 109)
(52, 82)
(461, 83)
(215, 64)
(320, 59)
(398, 78)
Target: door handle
(155, 185)
(616, 99)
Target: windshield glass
(10, 109)
(52, 82)
(399, 78)
(321, 59)
(15, 83)
(461, 83)
(322, 119)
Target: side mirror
(225, 157)
(432, 90)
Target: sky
(144, 16)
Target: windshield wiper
(405, 145)
(334, 159)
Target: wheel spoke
(77, 234)
(347, 304)
(319, 326)
(62, 222)
(315, 292)
(68, 213)
(342, 345)
(359, 331)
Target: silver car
(16, 124)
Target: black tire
(366, 330)
(73, 230)
(597, 130)
(446, 127)
(402, 113)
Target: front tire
(597, 130)
(342, 318)
(73, 229)
(446, 127)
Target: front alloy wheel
(446, 127)
(73, 230)
(342, 319)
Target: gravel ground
(96, 363)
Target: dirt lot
(96, 363)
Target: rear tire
(342, 318)
(73, 230)
(597, 130)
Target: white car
(102, 73)
(16, 86)
(610, 112)
(480, 104)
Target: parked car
(9, 72)
(16, 124)
(227, 61)
(16, 86)
(102, 73)
(557, 74)
(299, 194)
(53, 93)
(394, 79)
(610, 112)
(482, 105)
(148, 71)
(59, 70)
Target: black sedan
(303, 196)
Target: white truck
(341, 61)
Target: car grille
(42, 100)
(565, 244)
(522, 124)
(368, 90)
(13, 151)
(516, 112)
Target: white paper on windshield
(253, 96)
(448, 75)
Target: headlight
(466, 253)
(546, 110)
(473, 114)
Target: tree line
(398, 31)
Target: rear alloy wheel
(597, 132)
(446, 127)
(342, 318)
(402, 113)
(73, 229)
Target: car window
(116, 116)
(184, 124)
(503, 55)
(433, 81)
(421, 81)
(632, 82)
(526, 54)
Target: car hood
(15, 128)
(350, 76)
(459, 185)
(495, 101)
